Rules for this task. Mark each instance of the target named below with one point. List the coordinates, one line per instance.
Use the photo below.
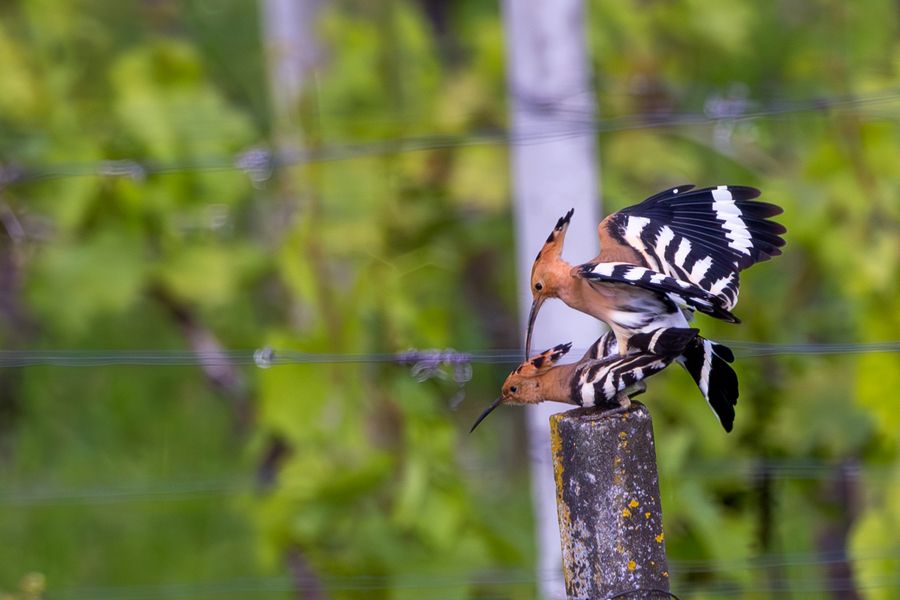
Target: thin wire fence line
(259, 162)
(276, 584)
(818, 584)
(748, 471)
(288, 584)
(454, 577)
(114, 494)
(267, 357)
(786, 559)
(448, 579)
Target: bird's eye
(513, 389)
(539, 286)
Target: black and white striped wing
(705, 236)
(665, 341)
(597, 383)
(605, 346)
(679, 291)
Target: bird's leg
(637, 389)
(624, 405)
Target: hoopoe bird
(600, 378)
(678, 251)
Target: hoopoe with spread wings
(602, 377)
(678, 251)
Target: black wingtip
(585, 269)
(680, 189)
(720, 312)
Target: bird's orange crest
(552, 248)
(543, 361)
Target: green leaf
(208, 274)
(72, 284)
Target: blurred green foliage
(356, 478)
(31, 587)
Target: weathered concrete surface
(610, 516)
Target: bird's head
(548, 274)
(523, 386)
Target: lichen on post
(610, 517)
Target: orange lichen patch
(626, 513)
(632, 565)
(633, 504)
(646, 515)
(660, 538)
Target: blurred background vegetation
(132, 221)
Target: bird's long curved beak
(486, 412)
(532, 316)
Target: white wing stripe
(684, 249)
(633, 230)
(587, 394)
(666, 235)
(700, 269)
(655, 338)
(707, 366)
(609, 388)
(720, 284)
(633, 274)
(605, 269)
(730, 215)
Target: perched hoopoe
(675, 252)
(593, 381)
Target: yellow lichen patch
(633, 504)
(632, 565)
(646, 515)
(660, 538)
(665, 573)
(626, 513)
(565, 517)
(556, 452)
(622, 435)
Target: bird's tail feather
(708, 364)
(665, 341)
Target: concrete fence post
(610, 517)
